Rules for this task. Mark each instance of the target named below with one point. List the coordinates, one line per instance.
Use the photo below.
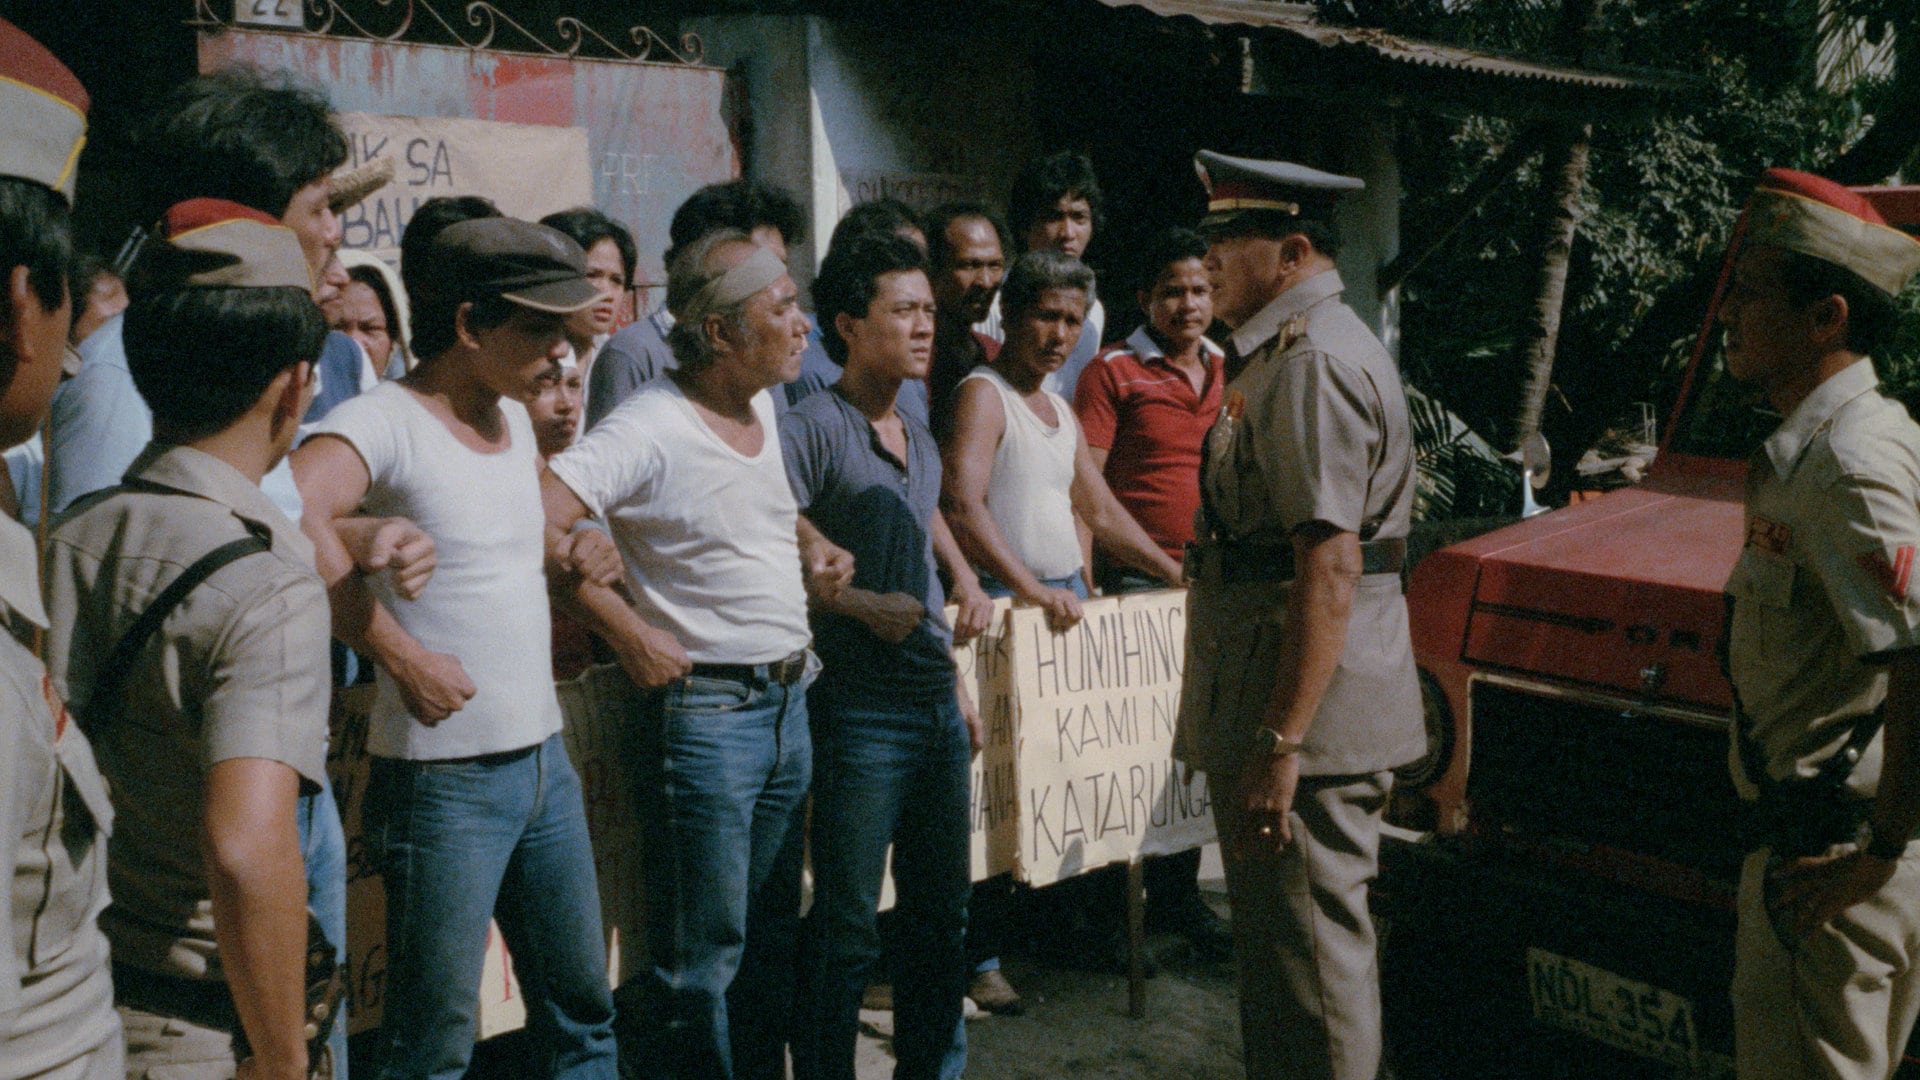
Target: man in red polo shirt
(1146, 406)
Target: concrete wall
(841, 113)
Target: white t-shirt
(487, 602)
(1030, 493)
(706, 531)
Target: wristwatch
(1274, 744)
(1884, 848)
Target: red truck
(1569, 911)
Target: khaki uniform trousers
(1839, 1006)
(1304, 939)
(169, 1048)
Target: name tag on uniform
(1768, 535)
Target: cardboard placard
(528, 170)
(1095, 709)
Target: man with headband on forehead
(689, 476)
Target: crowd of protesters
(264, 466)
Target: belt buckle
(788, 671)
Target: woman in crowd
(611, 258)
(373, 311)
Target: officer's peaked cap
(1237, 186)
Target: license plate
(1595, 1002)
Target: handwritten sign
(920, 190)
(993, 814)
(528, 170)
(1096, 708)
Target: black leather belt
(205, 1002)
(1245, 561)
(778, 673)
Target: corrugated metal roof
(1302, 21)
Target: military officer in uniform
(1300, 692)
(56, 996)
(1824, 643)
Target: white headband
(742, 280)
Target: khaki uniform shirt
(1825, 583)
(239, 670)
(56, 994)
(1321, 435)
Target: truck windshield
(1722, 418)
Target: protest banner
(528, 170)
(993, 813)
(1095, 709)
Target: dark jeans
(887, 775)
(720, 767)
(500, 837)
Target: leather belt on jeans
(778, 673)
(1243, 561)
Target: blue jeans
(502, 836)
(1073, 583)
(323, 846)
(720, 767)
(887, 773)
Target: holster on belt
(1804, 815)
(208, 1003)
(1801, 815)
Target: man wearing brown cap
(1824, 643)
(189, 631)
(473, 809)
(1300, 694)
(56, 997)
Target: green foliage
(1662, 194)
(1457, 475)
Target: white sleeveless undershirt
(1030, 493)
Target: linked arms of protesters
(651, 656)
(333, 479)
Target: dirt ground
(1076, 1025)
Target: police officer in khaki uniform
(220, 721)
(1300, 692)
(1824, 643)
(56, 997)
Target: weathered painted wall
(656, 132)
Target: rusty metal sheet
(655, 132)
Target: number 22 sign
(281, 13)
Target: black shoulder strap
(109, 689)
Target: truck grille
(1557, 770)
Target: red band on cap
(193, 214)
(1248, 189)
(1821, 190)
(25, 60)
